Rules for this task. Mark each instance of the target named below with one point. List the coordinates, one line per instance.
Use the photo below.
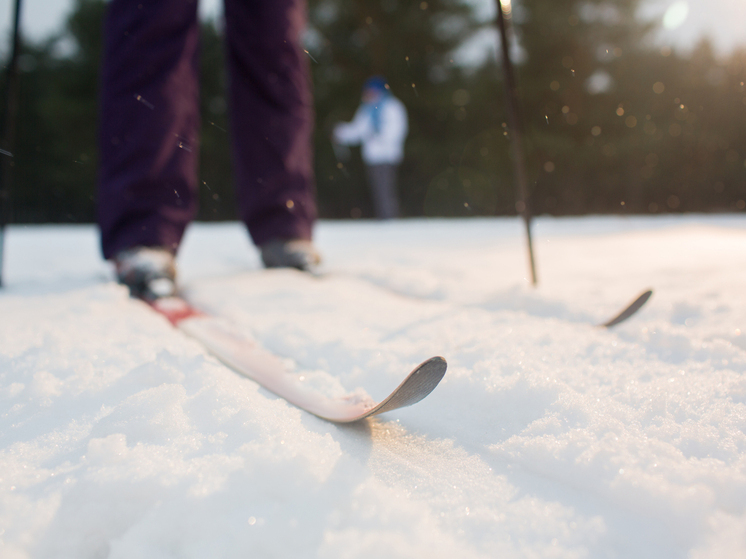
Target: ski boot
(290, 253)
(149, 272)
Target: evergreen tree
(572, 85)
(617, 124)
(610, 118)
(412, 44)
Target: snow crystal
(548, 437)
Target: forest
(613, 123)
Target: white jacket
(387, 146)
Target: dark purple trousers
(149, 121)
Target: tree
(412, 44)
(613, 123)
(617, 124)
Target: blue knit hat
(377, 83)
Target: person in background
(380, 126)
(149, 134)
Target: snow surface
(548, 438)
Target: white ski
(247, 357)
(629, 310)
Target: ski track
(120, 437)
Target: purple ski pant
(149, 121)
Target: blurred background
(629, 106)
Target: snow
(548, 438)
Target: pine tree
(574, 85)
(412, 45)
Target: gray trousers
(382, 182)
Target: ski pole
(11, 113)
(514, 130)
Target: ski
(626, 313)
(629, 310)
(246, 356)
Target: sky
(686, 21)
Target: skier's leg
(271, 118)
(382, 182)
(390, 172)
(149, 122)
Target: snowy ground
(121, 438)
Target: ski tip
(418, 384)
(424, 378)
(435, 361)
(435, 366)
(629, 310)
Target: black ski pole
(515, 132)
(11, 112)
